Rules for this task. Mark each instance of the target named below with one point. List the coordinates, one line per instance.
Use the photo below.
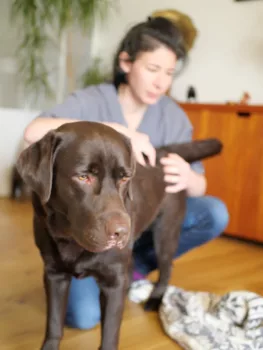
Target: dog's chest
(80, 263)
(69, 250)
(76, 260)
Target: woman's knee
(208, 215)
(84, 320)
(218, 214)
(83, 310)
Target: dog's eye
(124, 178)
(94, 171)
(86, 179)
(83, 177)
(123, 175)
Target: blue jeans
(206, 218)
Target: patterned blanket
(206, 321)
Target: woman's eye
(151, 69)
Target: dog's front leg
(112, 299)
(56, 288)
(166, 237)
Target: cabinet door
(236, 176)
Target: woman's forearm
(40, 126)
(197, 185)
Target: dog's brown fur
(91, 201)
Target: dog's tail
(194, 150)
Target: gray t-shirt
(164, 122)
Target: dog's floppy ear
(129, 193)
(35, 164)
(133, 163)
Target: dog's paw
(51, 344)
(153, 304)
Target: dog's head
(82, 171)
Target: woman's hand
(180, 176)
(141, 144)
(177, 173)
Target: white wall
(228, 55)
(12, 125)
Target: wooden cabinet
(236, 176)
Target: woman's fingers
(173, 179)
(175, 188)
(151, 154)
(139, 156)
(171, 169)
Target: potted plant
(50, 22)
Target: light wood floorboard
(220, 266)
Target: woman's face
(151, 74)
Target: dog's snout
(118, 228)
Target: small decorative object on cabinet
(191, 94)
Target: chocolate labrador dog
(91, 201)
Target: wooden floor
(219, 267)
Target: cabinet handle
(243, 114)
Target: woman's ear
(125, 62)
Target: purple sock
(137, 276)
